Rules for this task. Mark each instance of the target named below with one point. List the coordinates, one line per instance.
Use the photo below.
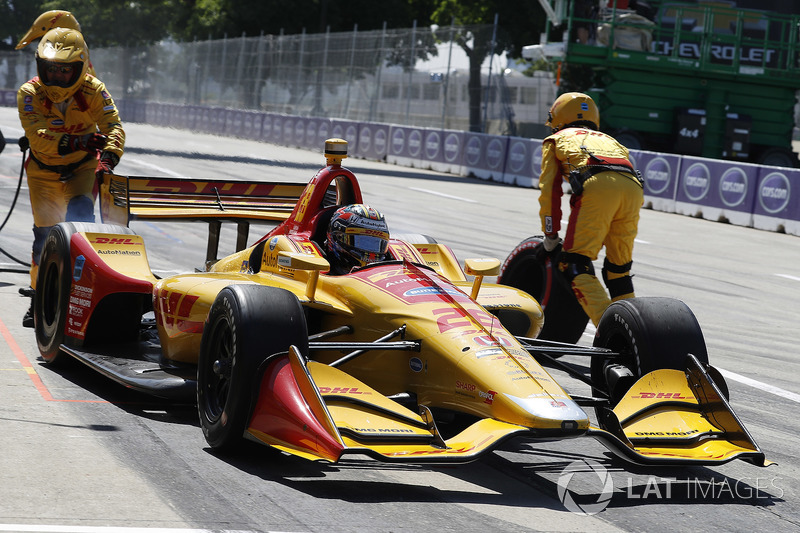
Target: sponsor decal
(28, 107)
(473, 151)
(452, 147)
(697, 181)
(272, 243)
(380, 141)
(433, 144)
(488, 353)
(733, 187)
(415, 143)
(488, 396)
(77, 270)
(108, 108)
(657, 175)
(774, 192)
(115, 240)
(28, 99)
(383, 430)
(494, 153)
(465, 386)
(518, 156)
(665, 433)
(415, 363)
(105, 94)
(341, 390)
(57, 122)
(661, 395)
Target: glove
(88, 143)
(106, 164)
(551, 242)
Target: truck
(716, 79)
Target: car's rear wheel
(246, 324)
(54, 282)
(530, 270)
(649, 333)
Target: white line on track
(435, 193)
(110, 529)
(102, 529)
(787, 276)
(783, 393)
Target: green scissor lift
(704, 78)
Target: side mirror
(479, 268)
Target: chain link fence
(412, 76)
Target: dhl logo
(205, 187)
(341, 390)
(174, 309)
(123, 241)
(661, 396)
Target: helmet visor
(54, 74)
(367, 243)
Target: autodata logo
(697, 181)
(774, 192)
(733, 186)
(657, 175)
(585, 472)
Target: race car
(408, 359)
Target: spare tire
(529, 269)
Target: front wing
(318, 412)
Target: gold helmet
(572, 108)
(46, 22)
(62, 60)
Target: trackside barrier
(743, 194)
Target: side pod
(677, 417)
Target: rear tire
(246, 325)
(54, 283)
(530, 270)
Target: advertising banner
(777, 204)
(373, 141)
(520, 162)
(485, 156)
(717, 190)
(347, 130)
(661, 173)
(405, 146)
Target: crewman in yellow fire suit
(607, 194)
(47, 21)
(75, 136)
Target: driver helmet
(46, 22)
(357, 236)
(62, 60)
(573, 109)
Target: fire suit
(62, 185)
(604, 213)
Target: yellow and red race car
(412, 358)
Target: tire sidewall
(262, 321)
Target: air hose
(23, 146)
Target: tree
(519, 24)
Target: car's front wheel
(246, 324)
(649, 333)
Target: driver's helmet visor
(55, 74)
(371, 241)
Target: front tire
(650, 333)
(246, 325)
(529, 269)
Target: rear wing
(126, 198)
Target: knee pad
(572, 265)
(80, 209)
(622, 283)
(39, 235)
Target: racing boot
(27, 320)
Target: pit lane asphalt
(79, 451)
